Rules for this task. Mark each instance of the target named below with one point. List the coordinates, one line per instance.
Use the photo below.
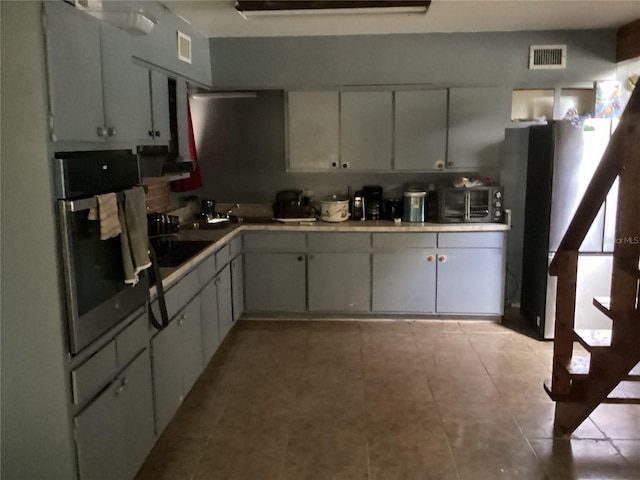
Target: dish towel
(107, 213)
(134, 239)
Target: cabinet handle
(151, 133)
(345, 165)
(157, 133)
(300, 258)
(111, 132)
(450, 164)
(101, 131)
(182, 319)
(334, 164)
(430, 258)
(442, 258)
(310, 257)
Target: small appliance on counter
(292, 204)
(393, 209)
(372, 195)
(483, 204)
(334, 208)
(414, 206)
(358, 211)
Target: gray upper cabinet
(476, 127)
(74, 74)
(313, 131)
(366, 126)
(420, 130)
(90, 69)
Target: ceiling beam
(628, 41)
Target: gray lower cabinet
(210, 325)
(237, 287)
(275, 282)
(225, 306)
(177, 361)
(404, 281)
(470, 280)
(339, 282)
(115, 433)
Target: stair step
(604, 305)
(579, 366)
(626, 392)
(593, 340)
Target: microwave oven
(468, 205)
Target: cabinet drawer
(206, 270)
(236, 246)
(178, 296)
(90, 377)
(404, 240)
(471, 239)
(132, 340)
(332, 242)
(223, 256)
(274, 241)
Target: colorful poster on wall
(608, 99)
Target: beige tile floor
(385, 400)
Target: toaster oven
(468, 205)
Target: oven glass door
(97, 297)
(454, 204)
(479, 201)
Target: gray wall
(241, 142)
(36, 438)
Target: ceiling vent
(547, 56)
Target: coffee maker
(372, 195)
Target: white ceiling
(218, 18)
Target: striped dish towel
(107, 213)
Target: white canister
(334, 209)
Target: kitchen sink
(213, 224)
(173, 253)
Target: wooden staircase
(609, 371)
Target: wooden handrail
(610, 166)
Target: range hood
(158, 161)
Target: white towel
(134, 238)
(107, 213)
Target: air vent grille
(184, 47)
(547, 56)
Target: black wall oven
(97, 297)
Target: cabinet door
(209, 313)
(225, 308)
(313, 130)
(115, 433)
(166, 354)
(136, 410)
(366, 127)
(275, 282)
(99, 438)
(75, 78)
(404, 281)
(160, 106)
(470, 281)
(123, 96)
(339, 282)
(420, 130)
(477, 119)
(190, 328)
(237, 290)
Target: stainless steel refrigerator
(562, 158)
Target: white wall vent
(547, 56)
(184, 47)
